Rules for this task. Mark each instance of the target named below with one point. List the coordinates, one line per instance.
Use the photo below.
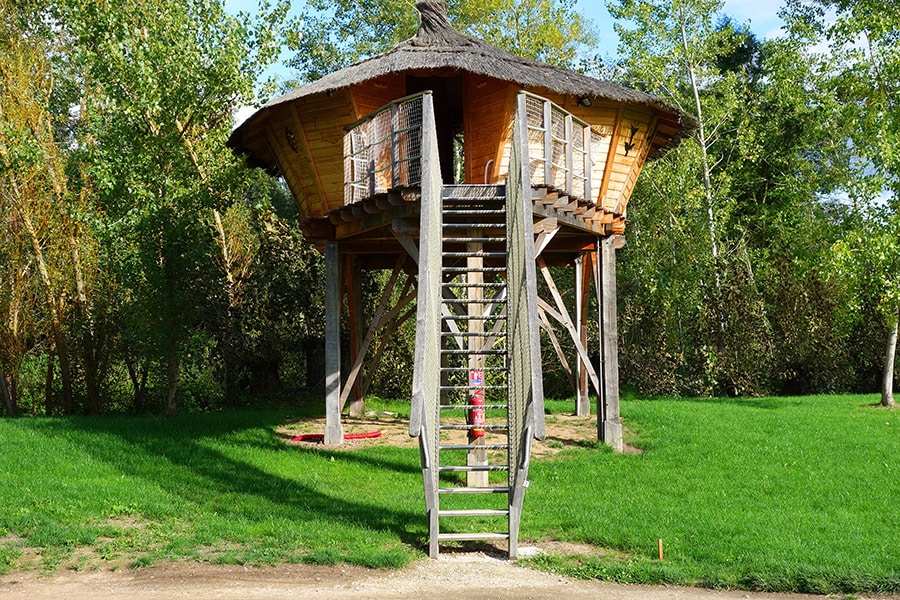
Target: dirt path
(470, 576)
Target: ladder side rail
(424, 416)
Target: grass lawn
(776, 494)
(781, 494)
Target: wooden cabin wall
(372, 95)
(306, 137)
(488, 127)
(613, 181)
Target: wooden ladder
(473, 456)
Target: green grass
(791, 494)
(786, 494)
(210, 487)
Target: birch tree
(863, 53)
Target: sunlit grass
(788, 494)
(797, 494)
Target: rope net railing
(383, 151)
(559, 148)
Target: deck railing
(559, 148)
(384, 150)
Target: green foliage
(336, 34)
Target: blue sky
(761, 15)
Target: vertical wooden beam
(352, 275)
(588, 165)
(569, 164)
(583, 267)
(334, 434)
(609, 425)
(548, 144)
(475, 295)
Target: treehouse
(468, 172)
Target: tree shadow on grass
(765, 403)
(176, 455)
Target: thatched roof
(437, 45)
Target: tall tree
(863, 42)
(162, 79)
(33, 186)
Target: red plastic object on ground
(318, 437)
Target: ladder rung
(474, 226)
(473, 468)
(468, 406)
(451, 334)
(471, 537)
(453, 212)
(448, 369)
(473, 301)
(473, 512)
(472, 317)
(474, 447)
(475, 254)
(475, 270)
(474, 490)
(471, 240)
(473, 352)
(467, 427)
(472, 285)
(473, 387)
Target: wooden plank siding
(487, 126)
(374, 94)
(312, 160)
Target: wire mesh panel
(558, 147)
(534, 108)
(579, 162)
(558, 139)
(356, 165)
(384, 150)
(407, 140)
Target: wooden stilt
(583, 266)
(476, 456)
(353, 284)
(609, 426)
(333, 431)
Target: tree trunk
(8, 389)
(56, 322)
(138, 383)
(172, 378)
(49, 401)
(92, 341)
(887, 382)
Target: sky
(761, 15)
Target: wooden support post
(352, 283)
(609, 425)
(583, 267)
(334, 434)
(476, 457)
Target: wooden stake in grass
(659, 547)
